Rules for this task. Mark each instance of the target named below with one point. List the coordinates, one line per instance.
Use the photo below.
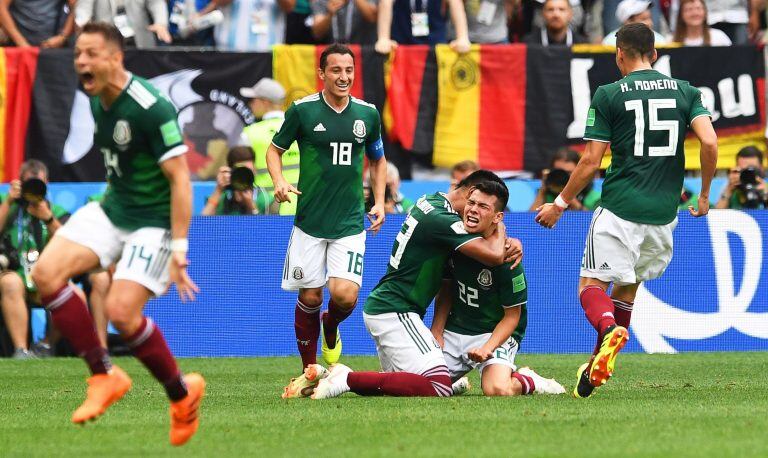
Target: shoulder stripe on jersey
(363, 102)
(177, 150)
(310, 98)
(470, 240)
(514, 305)
(700, 115)
(596, 140)
(141, 95)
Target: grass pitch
(710, 404)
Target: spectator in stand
(487, 20)
(633, 11)
(250, 25)
(735, 18)
(462, 170)
(553, 180)
(746, 182)
(43, 23)
(183, 23)
(344, 21)
(398, 203)
(139, 21)
(298, 29)
(692, 28)
(557, 30)
(411, 22)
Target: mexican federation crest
(122, 133)
(359, 128)
(484, 278)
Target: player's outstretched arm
(275, 168)
(490, 251)
(177, 172)
(378, 185)
(442, 309)
(702, 127)
(500, 334)
(580, 178)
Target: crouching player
(480, 314)
(411, 359)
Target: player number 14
(655, 124)
(342, 153)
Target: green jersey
(430, 233)
(136, 134)
(480, 294)
(644, 116)
(331, 146)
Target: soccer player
(644, 117)
(411, 359)
(480, 312)
(141, 224)
(333, 130)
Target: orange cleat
(602, 365)
(184, 413)
(103, 391)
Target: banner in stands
(713, 297)
(17, 74)
(508, 107)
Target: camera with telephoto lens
(753, 196)
(556, 180)
(241, 179)
(33, 190)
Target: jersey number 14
(654, 124)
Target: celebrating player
(480, 312)
(333, 131)
(141, 224)
(411, 359)
(644, 117)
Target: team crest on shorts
(359, 128)
(484, 278)
(298, 274)
(122, 133)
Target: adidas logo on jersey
(605, 266)
(319, 128)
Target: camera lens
(241, 179)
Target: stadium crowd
(257, 25)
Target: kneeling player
(480, 314)
(411, 360)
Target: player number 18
(342, 153)
(655, 124)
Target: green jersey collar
(322, 96)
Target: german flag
(295, 67)
(17, 74)
(481, 106)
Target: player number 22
(468, 295)
(342, 153)
(654, 123)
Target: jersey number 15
(654, 124)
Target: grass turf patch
(694, 404)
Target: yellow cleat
(601, 368)
(304, 385)
(331, 356)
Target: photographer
(234, 186)
(746, 184)
(27, 222)
(553, 181)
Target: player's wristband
(560, 202)
(180, 245)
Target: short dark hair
(479, 176)
(335, 48)
(750, 151)
(34, 167)
(636, 40)
(494, 188)
(107, 30)
(239, 154)
(565, 154)
(465, 166)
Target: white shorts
(458, 345)
(403, 342)
(311, 261)
(142, 255)
(624, 252)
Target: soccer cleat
(583, 388)
(22, 353)
(330, 356)
(334, 385)
(103, 391)
(185, 415)
(601, 368)
(303, 385)
(542, 385)
(461, 386)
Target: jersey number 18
(342, 153)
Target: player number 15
(655, 124)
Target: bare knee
(345, 295)
(11, 284)
(123, 315)
(45, 278)
(312, 297)
(498, 388)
